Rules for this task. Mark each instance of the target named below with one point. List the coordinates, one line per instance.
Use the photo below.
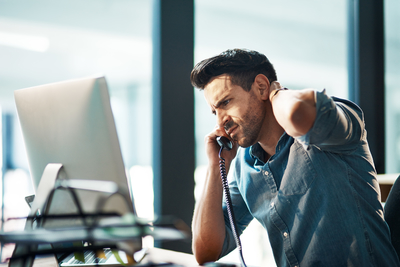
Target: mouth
(231, 130)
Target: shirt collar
(257, 152)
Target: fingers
(212, 146)
(218, 131)
(275, 85)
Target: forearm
(208, 224)
(294, 110)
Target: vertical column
(366, 70)
(6, 157)
(173, 112)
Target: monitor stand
(24, 254)
(46, 185)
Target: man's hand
(274, 89)
(294, 110)
(213, 148)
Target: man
(304, 169)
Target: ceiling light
(28, 42)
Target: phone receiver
(224, 142)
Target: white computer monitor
(71, 123)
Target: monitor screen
(71, 123)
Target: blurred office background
(49, 41)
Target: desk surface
(388, 179)
(155, 255)
(162, 255)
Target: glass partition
(50, 41)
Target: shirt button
(285, 234)
(272, 204)
(266, 172)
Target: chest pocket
(299, 172)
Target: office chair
(392, 214)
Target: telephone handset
(225, 143)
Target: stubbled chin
(235, 134)
(243, 142)
(235, 138)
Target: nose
(222, 118)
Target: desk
(155, 255)
(42, 262)
(385, 183)
(162, 255)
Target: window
(52, 41)
(392, 82)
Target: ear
(261, 84)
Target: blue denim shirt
(318, 196)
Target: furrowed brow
(213, 111)
(219, 103)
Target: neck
(271, 133)
(270, 146)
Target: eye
(226, 102)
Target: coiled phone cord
(229, 206)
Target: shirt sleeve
(338, 127)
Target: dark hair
(241, 65)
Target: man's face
(240, 113)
